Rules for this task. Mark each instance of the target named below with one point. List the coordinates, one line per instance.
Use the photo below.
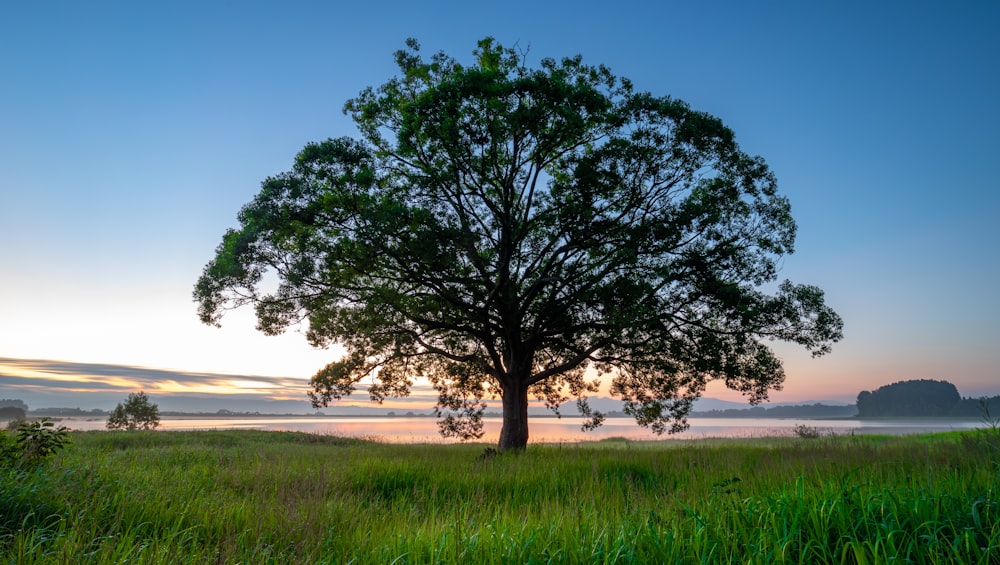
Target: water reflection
(552, 430)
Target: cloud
(66, 376)
(60, 381)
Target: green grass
(279, 497)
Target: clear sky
(132, 132)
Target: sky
(131, 133)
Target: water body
(550, 430)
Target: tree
(136, 413)
(506, 231)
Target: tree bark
(514, 434)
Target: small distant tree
(136, 413)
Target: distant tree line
(12, 410)
(797, 411)
(975, 407)
(922, 398)
(14, 403)
(913, 398)
(10, 413)
(68, 412)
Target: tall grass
(279, 497)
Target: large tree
(506, 231)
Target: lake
(544, 429)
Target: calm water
(419, 430)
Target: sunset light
(485, 283)
(127, 153)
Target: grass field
(278, 497)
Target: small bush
(806, 432)
(32, 442)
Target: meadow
(286, 497)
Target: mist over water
(548, 430)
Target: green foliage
(8, 448)
(32, 442)
(136, 413)
(248, 496)
(500, 229)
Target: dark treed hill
(923, 398)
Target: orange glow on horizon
(823, 383)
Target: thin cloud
(73, 378)
(66, 376)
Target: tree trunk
(514, 434)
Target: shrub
(8, 449)
(136, 413)
(807, 432)
(32, 442)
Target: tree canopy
(506, 231)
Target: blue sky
(131, 133)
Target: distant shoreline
(238, 416)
